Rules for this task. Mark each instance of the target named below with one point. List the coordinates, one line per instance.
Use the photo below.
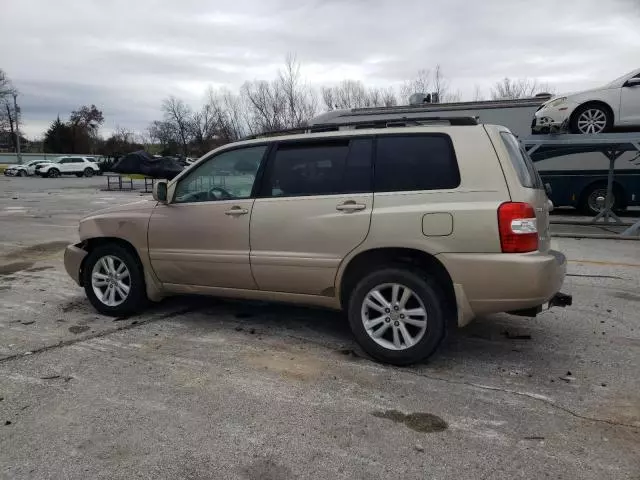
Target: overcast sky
(126, 56)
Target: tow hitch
(560, 300)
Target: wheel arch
(367, 260)
(600, 103)
(90, 244)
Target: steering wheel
(224, 195)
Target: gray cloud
(126, 56)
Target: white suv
(79, 166)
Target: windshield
(619, 79)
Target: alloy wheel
(394, 316)
(592, 120)
(111, 280)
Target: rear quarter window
(415, 162)
(526, 172)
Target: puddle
(420, 422)
(14, 267)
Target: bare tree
(389, 98)
(178, 115)
(162, 132)
(441, 86)
(300, 100)
(229, 113)
(478, 95)
(202, 125)
(354, 94)
(9, 115)
(512, 89)
(266, 105)
(420, 84)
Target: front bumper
(73, 258)
(552, 119)
(503, 282)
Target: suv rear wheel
(53, 173)
(397, 315)
(113, 280)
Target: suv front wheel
(397, 315)
(114, 281)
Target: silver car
(23, 169)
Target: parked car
(79, 166)
(23, 169)
(409, 230)
(616, 104)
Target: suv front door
(314, 207)
(201, 237)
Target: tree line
(287, 101)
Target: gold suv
(409, 230)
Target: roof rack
(397, 122)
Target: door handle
(350, 206)
(236, 211)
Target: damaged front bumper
(73, 257)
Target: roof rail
(386, 123)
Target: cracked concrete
(204, 388)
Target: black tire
(88, 172)
(587, 204)
(53, 173)
(574, 126)
(137, 297)
(22, 173)
(424, 288)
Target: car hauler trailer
(576, 180)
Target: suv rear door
(314, 208)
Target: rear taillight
(518, 227)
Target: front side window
(320, 168)
(227, 176)
(415, 162)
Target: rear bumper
(501, 282)
(73, 257)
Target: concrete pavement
(204, 388)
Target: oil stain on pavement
(420, 422)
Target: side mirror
(160, 191)
(632, 82)
(548, 190)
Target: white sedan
(616, 104)
(23, 169)
(79, 166)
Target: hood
(141, 206)
(579, 93)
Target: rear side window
(415, 162)
(527, 173)
(333, 167)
